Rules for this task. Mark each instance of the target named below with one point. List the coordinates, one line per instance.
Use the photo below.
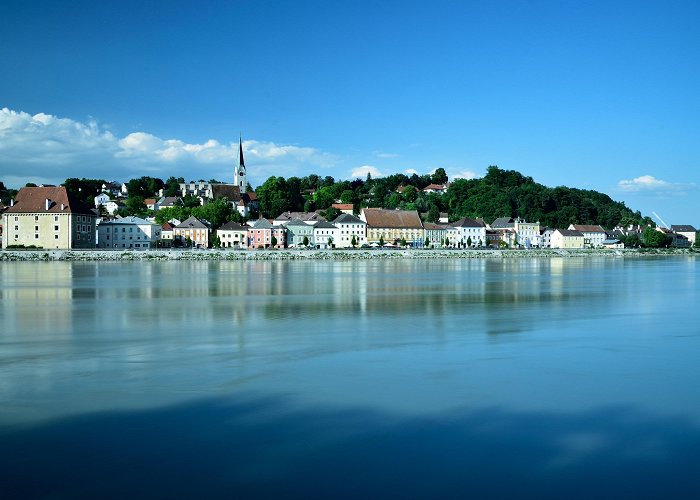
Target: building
(593, 235)
(237, 193)
(350, 226)
(49, 217)
(434, 234)
(346, 208)
(685, 230)
(392, 226)
(469, 232)
(262, 234)
(527, 233)
(232, 235)
(435, 188)
(325, 235)
(192, 232)
(297, 230)
(167, 231)
(128, 232)
(567, 238)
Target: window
(16, 219)
(55, 236)
(16, 228)
(55, 218)
(36, 217)
(55, 228)
(36, 228)
(36, 236)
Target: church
(237, 193)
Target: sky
(593, 94)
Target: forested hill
(500, 193)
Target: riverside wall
(178, 254)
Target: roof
(131, 220)
(467, 222)
(503, 223)
(380, 217)
(683, 228)
(232, 226)
(324, 225)
(588, 229)
(297, 222)
(229, 191)
(167, 226)
(570, 232)
(261, 224)
(435, 187)
(305, 216)
(343, 206)
(192, 222)
(169, 201)
(32, 200)
(348, 219)
(435, 227)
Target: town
(214, 214)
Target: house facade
(232, 235)
(297, 230)
(128, 232)
(593, 235)
(192, 231)
(685, 230)
(261, 233)
(469, 232)
(567, 238)
(49, 217)
(527, 233)
(393, 225)
(350, 226)
(325, 235)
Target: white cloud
(361, 172)
(648, 183)
(411, 171)
(381, 154)
(48, 149)
(461, 174)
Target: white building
(232, 235)
(325, 235)
(128, 232)
(348, 227)
(527, 233)
(593, 236)
(469, 232)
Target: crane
(660, 219)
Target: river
(480, 378)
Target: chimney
(48, 204)
(63, 207)
(12, 202)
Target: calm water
(524, 378)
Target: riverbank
(179, 254)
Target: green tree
(655, 239)
(306, 241)
(353, 241)
(273, 197)
(273, 241)
(330, 242)
(469, 241)
(439, 177)
(381, 240)
(427, 243)
(172, 186)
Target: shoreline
(344, 254)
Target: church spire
(239, 175)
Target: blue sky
(599, 95)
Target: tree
(381, 240)
(697, 240)
(427, 243)
(306, 241)
(273, 241)
(273, 197)
(353, 241)
(469, 241)
(330, 242)
(655, 239)
(172, 186)
(402, 242)
(439, 176)
(332, 213)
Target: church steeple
(239, 176)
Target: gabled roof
(169, 201)
(467, 222)
(503, 223)
(233, 226)
(435, 227)
(261, 224)
(297, 222)
(305, 216)
(324, 225)
(229, 191)
(379, 217)
(588, 228)
(167, 226)
(192, 222)
(683, 228)
(435, 187)
(348, 219)
(33, 200)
